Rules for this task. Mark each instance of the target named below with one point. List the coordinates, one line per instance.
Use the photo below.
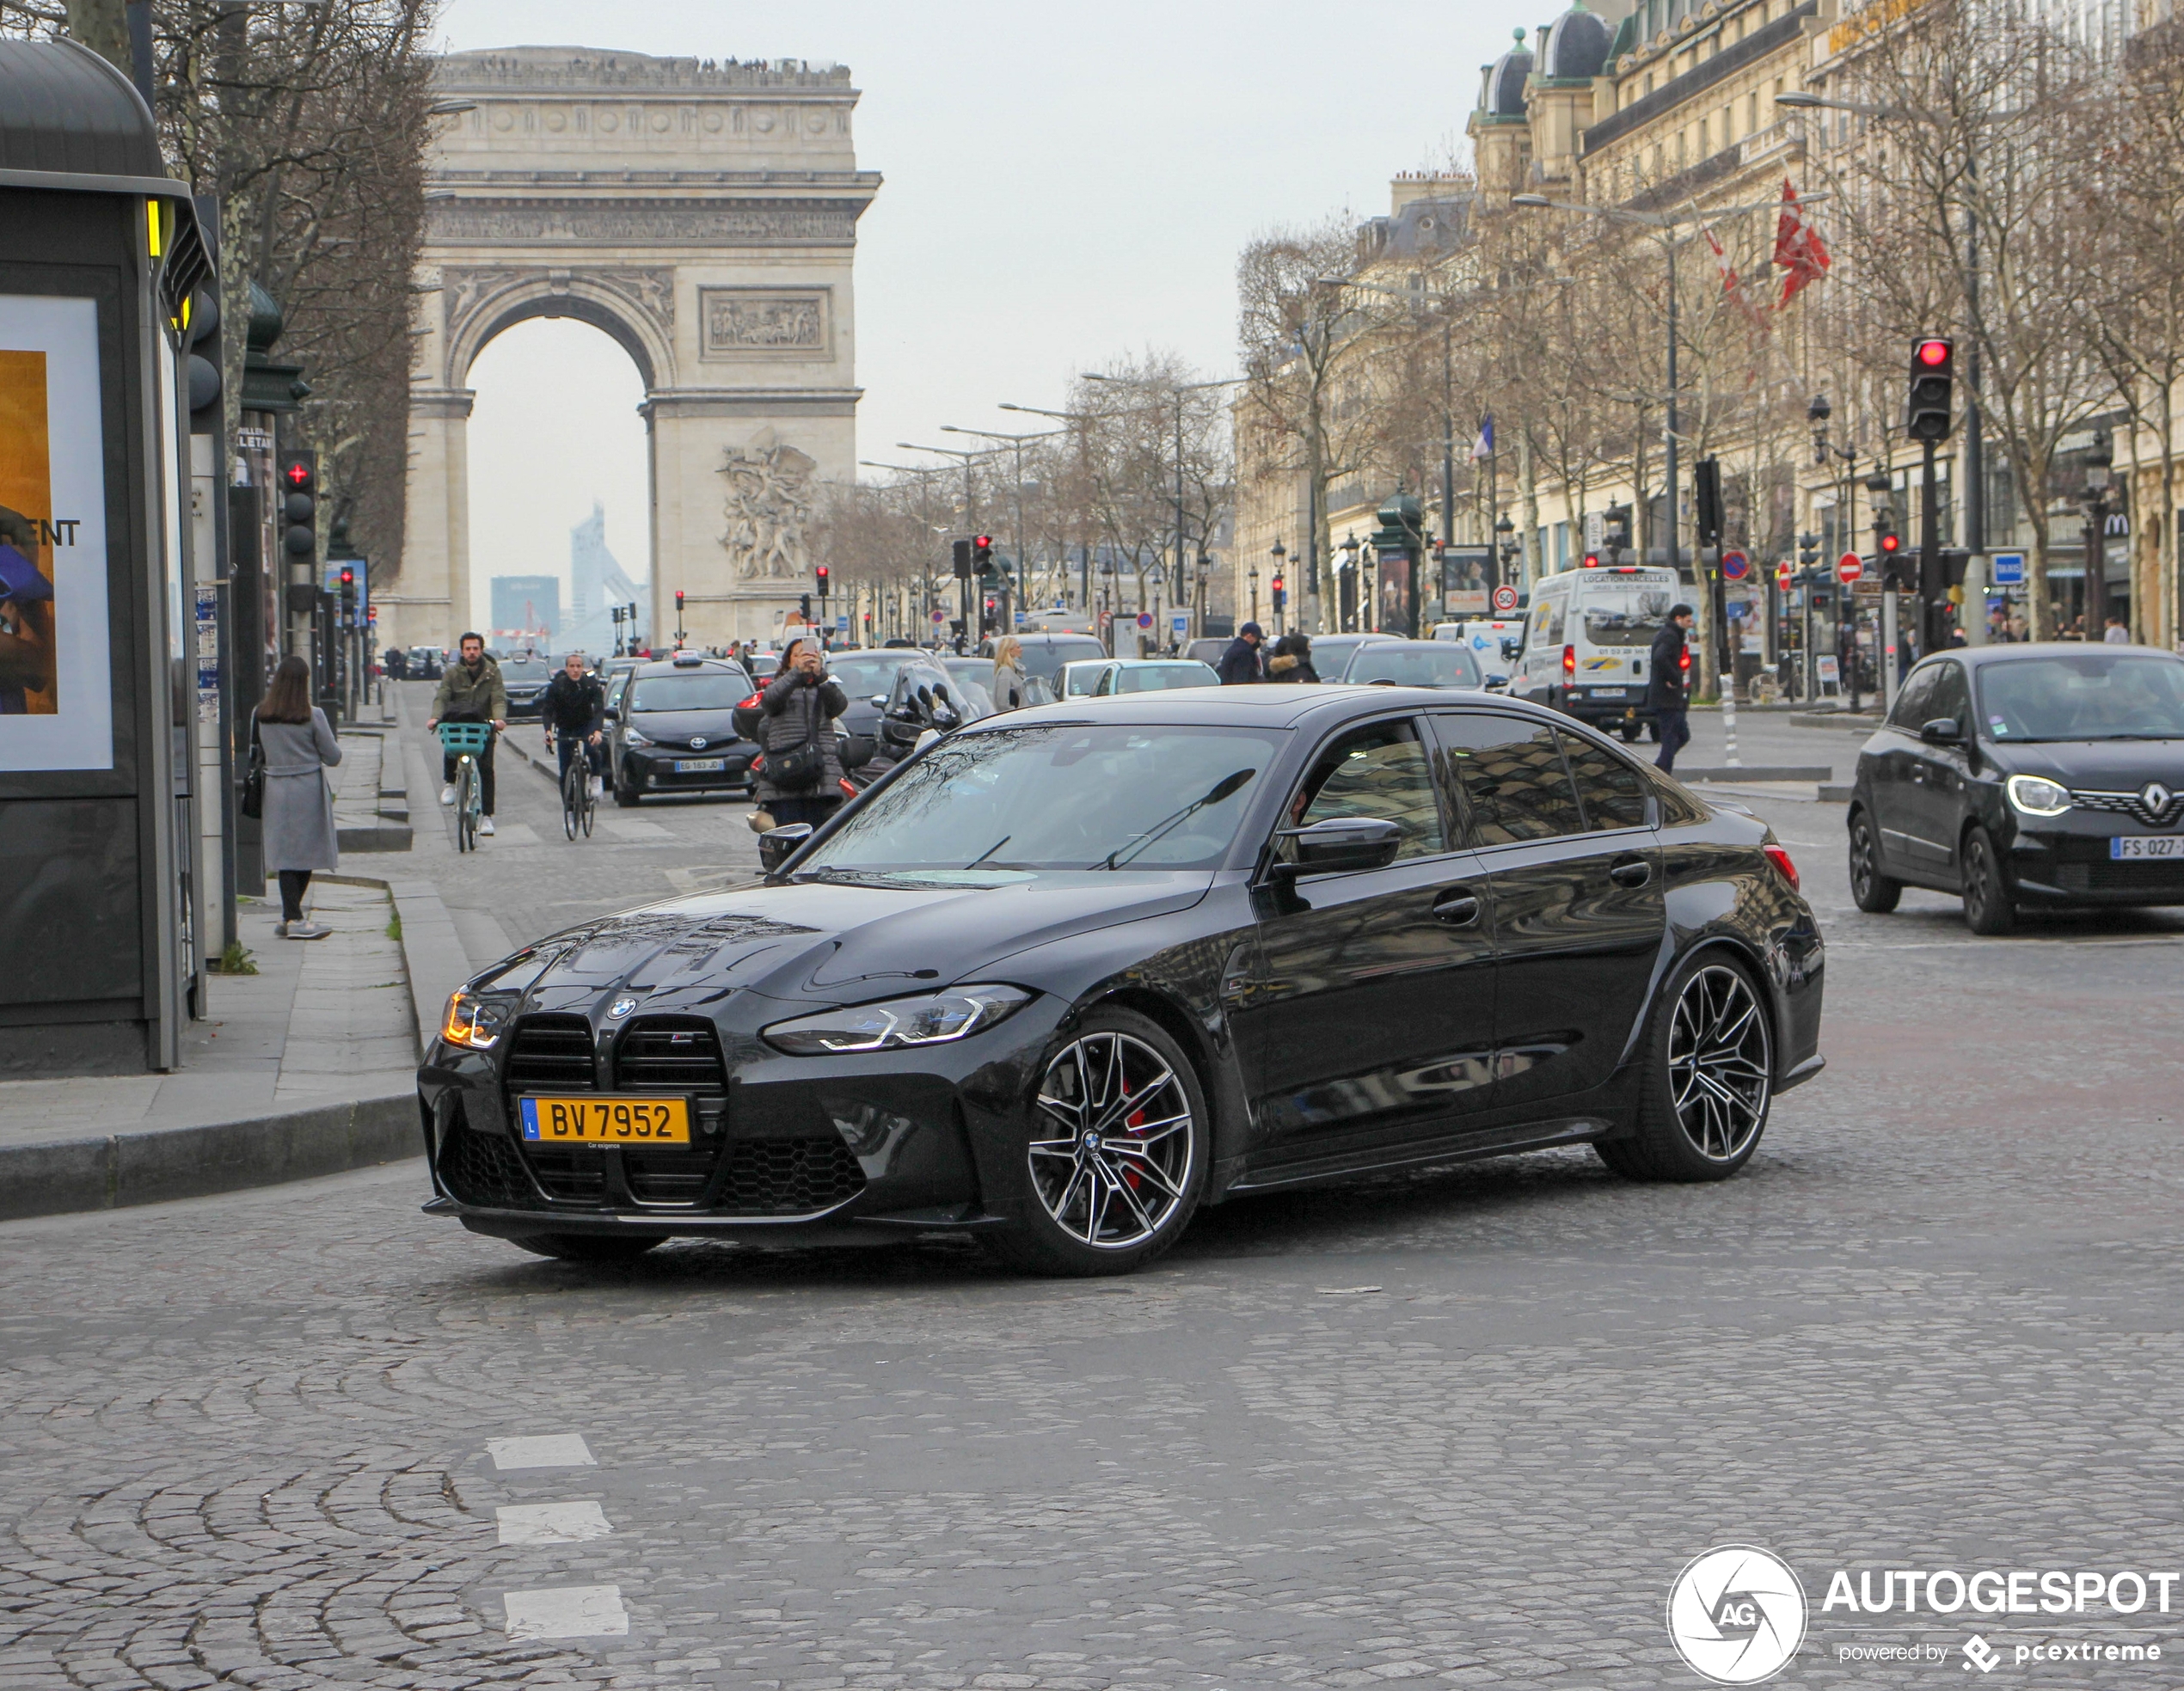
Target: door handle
(1632, 871)
(1458, 908)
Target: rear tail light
(1780, 858)
(1569, 662)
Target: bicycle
(577, 806)
(466, 742)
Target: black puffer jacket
(1667, 685)
(801, 708)
(577, 707)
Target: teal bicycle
(466, 742)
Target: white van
(1495, 644)
(1588, 639)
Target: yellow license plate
(605, 1120)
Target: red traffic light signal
(348, 576)
(1277, 583)
(1933, 379)
(985, 542)
(820, 574)
(1592, 561)
(1891, 543)
(297, 473)
(1933, 352)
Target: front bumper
(2069, 864)
(651, 768)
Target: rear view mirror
(1340, 845)
(777, 845)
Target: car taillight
(1780, 858)
(1569, 661)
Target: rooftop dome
(1503, 96)
(1577, 47)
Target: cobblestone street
(1462, 1427)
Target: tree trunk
(103, 27)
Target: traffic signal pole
(1933, 600)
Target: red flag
(1731, 285)
(1798, 247)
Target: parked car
(525, 680)
(1497, 643)
(672, 729)
(2026, 777)
(1586, 643)
(1411, 663)
(1331, 931)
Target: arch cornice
(632, 304)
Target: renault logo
(2155, 797)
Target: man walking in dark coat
(1668, 685)
(1241, 663)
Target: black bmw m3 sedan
(1072, 972)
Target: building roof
(1577, 47)
(1503, 94)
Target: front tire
(1987, 908)
(1871, 891)
(625, 796)
(1117, 1156)
(1630, 731)
(584, 1247)
(1709, 1077)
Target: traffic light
(201, 339)
(1706, 499)
(1933, 378)
(299, 474)
(1592, 561)
(821, 572)
(1615, 537)
(982, 554)
(1808, 551)
(963, 560)
(803, 605)
(1281, 591)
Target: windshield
(1045, 658)
(525, 669)
(1058, 796)
(868, 672)
(1079, 682)
(708, 690)
(1440, 665)
(1623, 615)
(2084, 697)
(1159, 677)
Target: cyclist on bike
(471, 691)
(575, 712)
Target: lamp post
(1346, 608)
(2097, 506)
(924, 473)
(1177, 391)
(1008, 622)
(1254, 577)
(969, 592)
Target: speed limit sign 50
(1505, 598)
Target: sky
(1064, 185)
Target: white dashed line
(562, 1450)
(572, 1612)
(551, 1523)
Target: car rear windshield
(1159, 677)
(708, 690)
(2090, 696)
(1045, 658)
(869, 672)
(1623, 615)
(1058, 796)
(1438, 665)
(525, 669)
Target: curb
(380, 836)
(1836, 793)
(161, 1164)
(1857, 722)
(433, 956)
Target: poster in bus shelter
(56, 695)
(1394, 610)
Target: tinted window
(2084, 697)
(1513, 777)
(867, 672)
(1609, 787)
(1443, 665)
(1911, 703)
(526, 669)
(1952, 697)
(708, 689)
(1380, 771)
(1157, 678)
(1045, 657)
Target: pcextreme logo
(1737, 1615)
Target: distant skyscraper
(597, 584)
(526, 605)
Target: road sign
(1849, 567)
(1181, 622)
(1505, 598)
(1735, 567)
(940, 616)
(1782, 575)
(1145, 619)
(2009, 569)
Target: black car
(672, 729)
(2023, 776)
(525, 680)
(1071, 972)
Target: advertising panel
(56, 691)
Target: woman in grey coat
(801, 706)
(299, 822)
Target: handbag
(802, 766)
(251, 803)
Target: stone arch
(633, 307)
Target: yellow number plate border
(604, 1119)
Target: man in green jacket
(471, 691)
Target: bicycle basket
(459, 737)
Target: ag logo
(1737, 1615)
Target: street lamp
(1254, 577)
(1179, 389)
(1008, 619)
(1346, 610)
(2098, 457)
(1817, 414)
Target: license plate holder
(701, 766)
(2144, 848)
(603, 1120)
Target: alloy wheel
(1863, 856)
(1122, 1136)
(1720, 1062)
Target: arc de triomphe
(703, 216)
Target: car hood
(2099, 766)
(717, 725)
(828, 942)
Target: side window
(1952, 697)
(1381, 771)
(1911, 703)
(1609, 789)
(1512, 775)
(1547, 623)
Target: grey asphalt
(1462, 1427)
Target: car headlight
(471, 1022)
(631, 737)
(2036, 795)
(931, 1019)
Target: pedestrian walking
(1668, 685)
(1292, 660)
(299, 835)
(470, 691)
(575, 710)
(2116, 633)
(1008, 688)
(801, 779)
(1241, 663)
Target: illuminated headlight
(2036, 795)
(471, 1022)
(631, 737)
(933, 1019)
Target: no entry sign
(1849, 567)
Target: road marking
(551, 1523)
(572, 1612)
(561, 1449)
(637, 831)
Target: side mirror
(614, 716)
(857, 750)
(1942, 731)
(1340, 845)
(777, 845)
(878, 702)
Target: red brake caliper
(1135, 1120)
